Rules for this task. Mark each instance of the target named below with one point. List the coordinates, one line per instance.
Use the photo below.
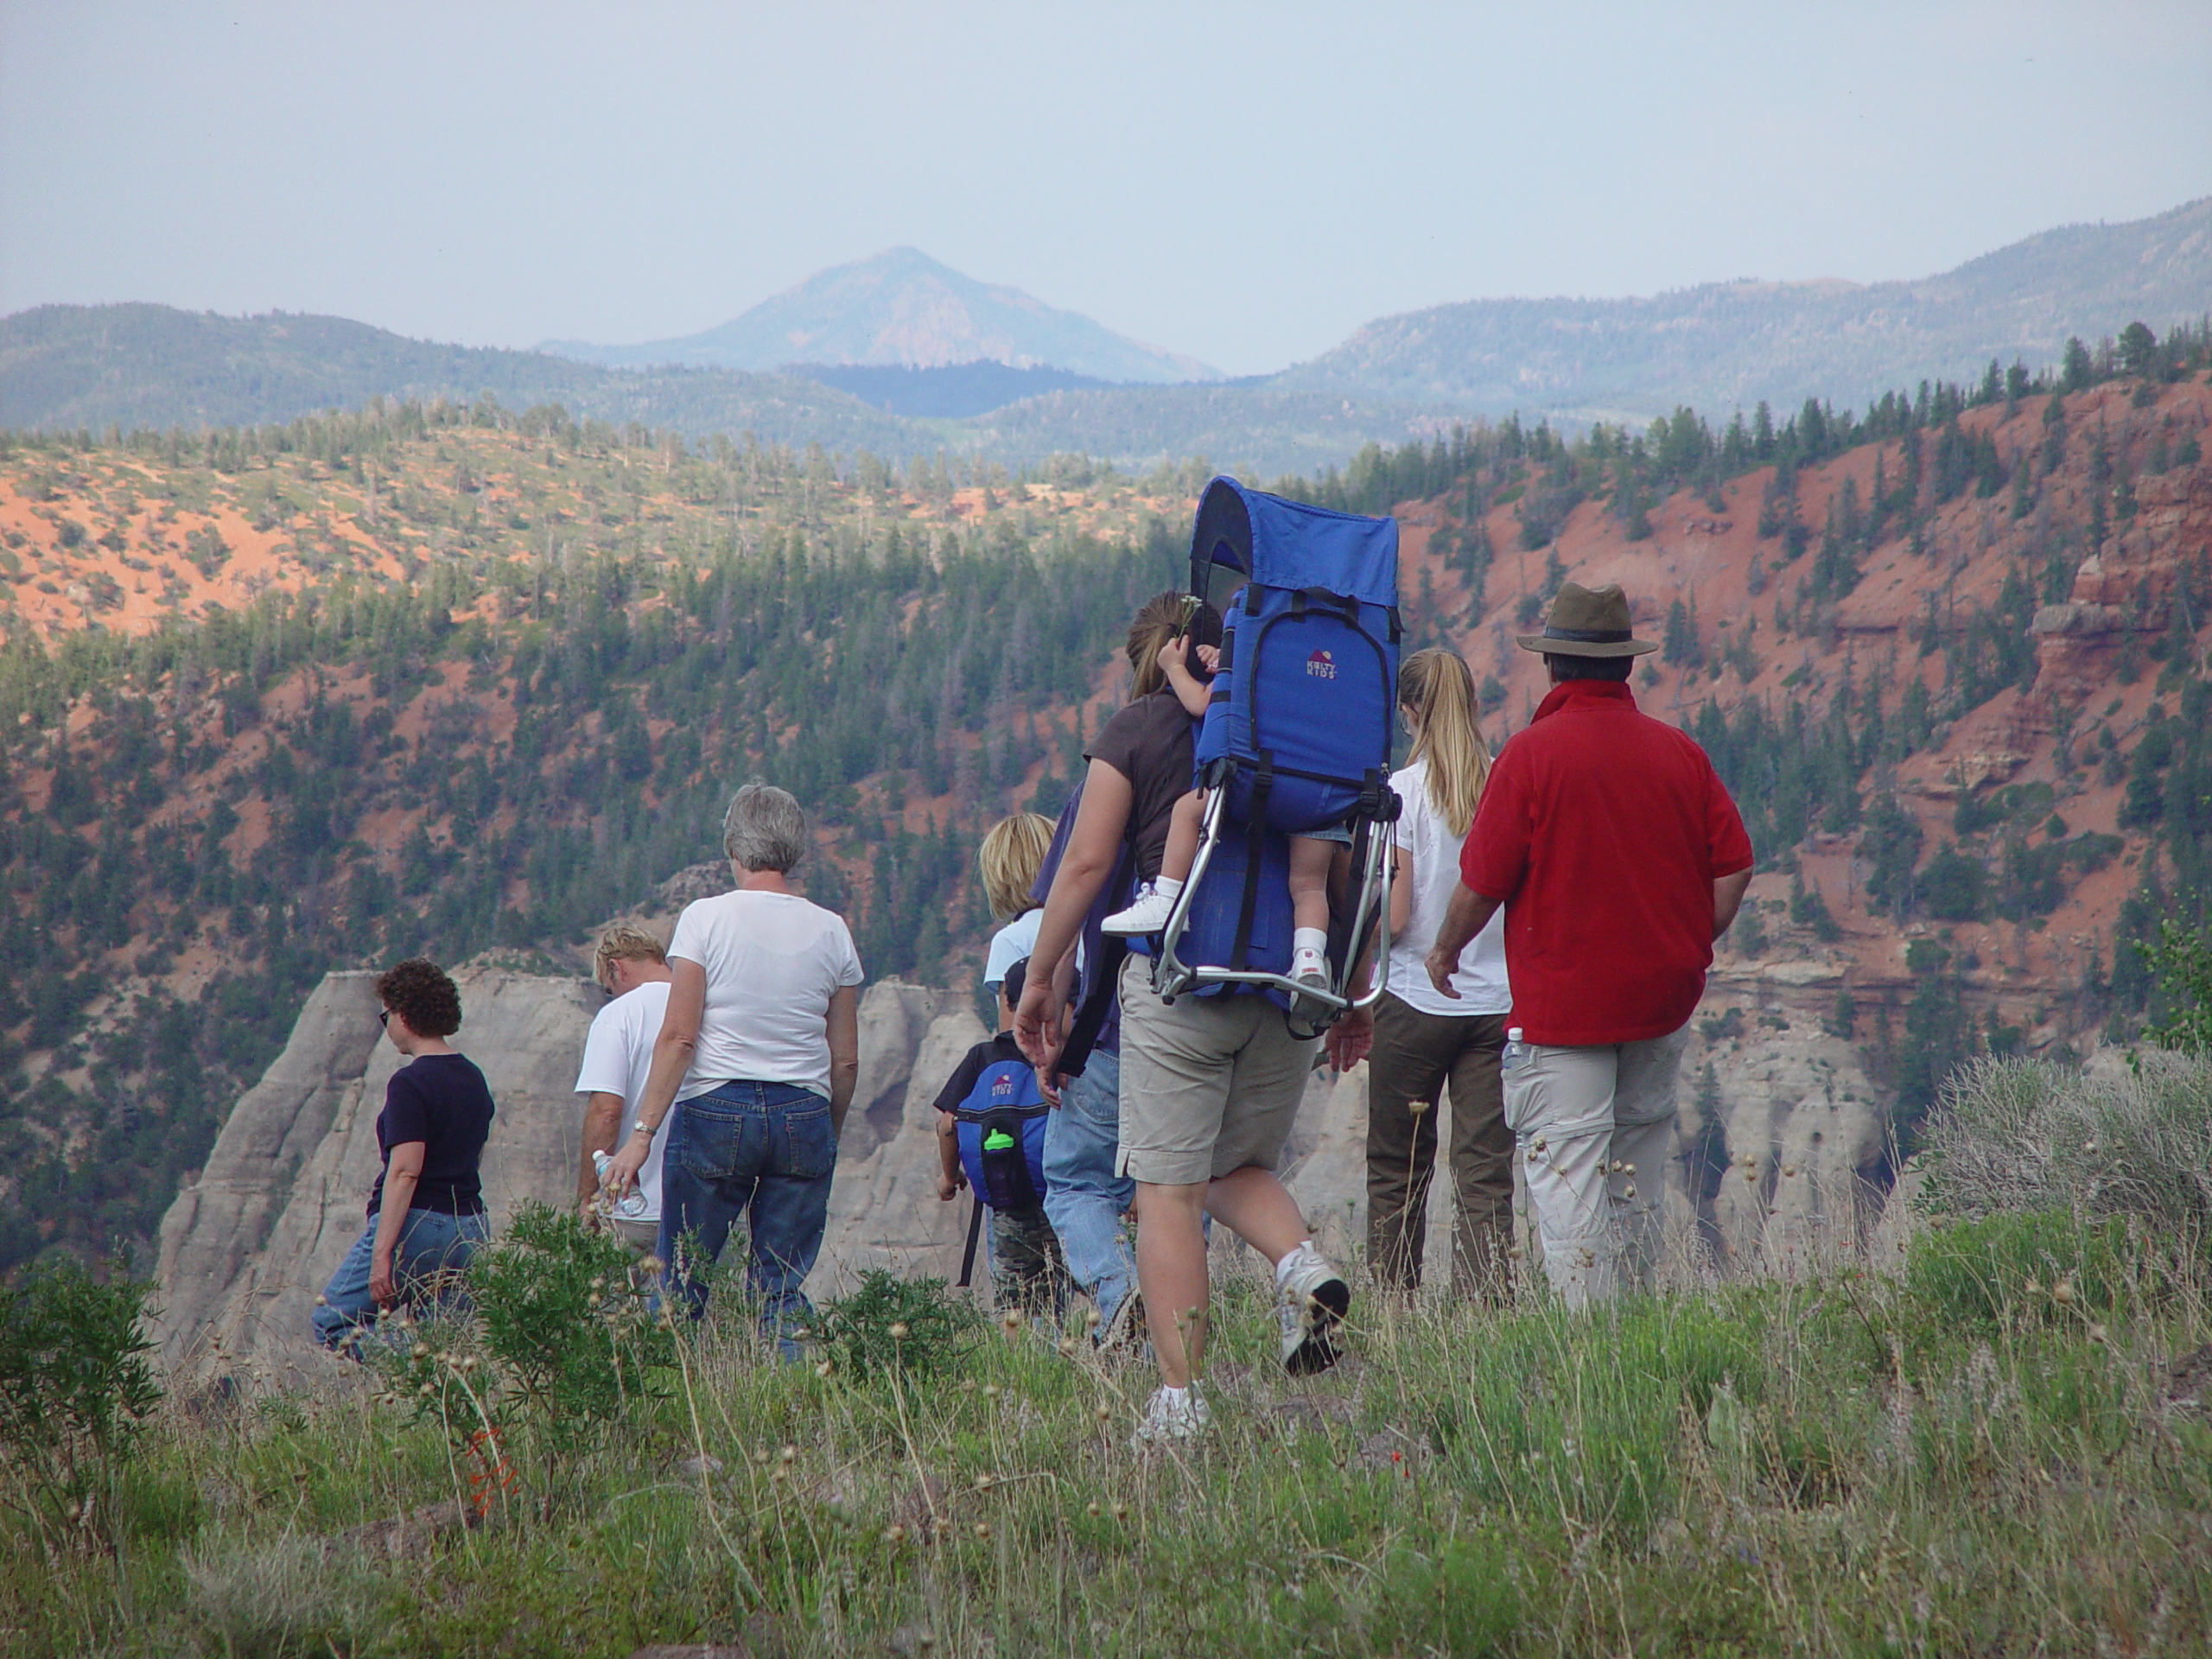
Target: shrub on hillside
(889, 1323)
(2017, 1135)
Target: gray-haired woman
(757, 1056)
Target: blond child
(1310, 855)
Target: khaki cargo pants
(1595, 1127)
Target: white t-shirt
(617, 1055)
(1433, 853)
(773, 960)
(1010, 944)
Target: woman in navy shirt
(426, 1211)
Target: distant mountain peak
(902, 308)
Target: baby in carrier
(1309, 855)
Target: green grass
(1948, 1463)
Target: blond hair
(623, 942)
(1011, 853)
(1159, 620)
(1436, 688)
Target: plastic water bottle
(1515, 1050)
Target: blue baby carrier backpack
(1296, 739)
(1001, 1130)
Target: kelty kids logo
(1002, 1084)
(1321, 666)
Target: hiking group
(1224, 903)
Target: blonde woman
(1424, 1039)
(1011, 853)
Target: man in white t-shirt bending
(632, 969)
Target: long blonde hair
(1012, 852)
(1159, 620)
(1436, 686)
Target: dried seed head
(899, 1332)
(1630, 1192)
(599, 1281)
(2033, 1288)
(1417, 1107)
(1789, 1170)
(1617, 1165)
(824, 1369)
(322, 1301)
(1092, 1318)
(1120, 1511)
(419, 1351)
(982, 1529)
(1630, 1168)
(788, 1456)
(2098, 1333)
(1104, 1415)
(1539, 1144)
(1094, 1509)
(651, 1264)
(2089, 1147)
(991, 1391)
(2063, 1293)
(593, 1299)
(894, 1534)
(984, 1483)
(1011, 1319)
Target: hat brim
(1548, 647)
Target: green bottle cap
(997, 1141)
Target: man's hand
(1441, 969)
(622, 1172)
(381, 1291)
(1037, 1023)
(948, 1186)
(1349, 1040)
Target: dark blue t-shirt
(442, 1101)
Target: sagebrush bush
(888, 1323)
(75, 1387)
(2019, 1134)
(566, 1318)
(2030, 1267)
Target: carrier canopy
(1287, 544)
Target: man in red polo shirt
(1619, 859)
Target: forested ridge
(450, 678)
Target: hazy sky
(1246, 183)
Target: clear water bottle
(1515, 1049)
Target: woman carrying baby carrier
(1210, 1086)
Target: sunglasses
(384, 1017)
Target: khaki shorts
(1208, 1086)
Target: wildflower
(1417, 1107)
(899, 1332)
(649, 1265)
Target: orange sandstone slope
(2095, 684)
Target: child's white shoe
(1148, 914)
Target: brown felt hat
(1588, 622)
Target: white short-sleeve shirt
(1433, 851)
(618, 1056)
(772, 960)
(1010, 944)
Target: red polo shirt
(1602, 831)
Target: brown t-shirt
(1148, 742)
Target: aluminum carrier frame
(1333, 567)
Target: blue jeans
(759, 1150)
(427, 1262)
(1084, 1198)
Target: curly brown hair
(419, 992)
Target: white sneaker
(1168, 1420)
(1148, 914)
(1314, 1301)
(1311, 1010)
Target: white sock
(1167, 885)
(1292, 1260)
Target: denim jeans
(763, 1151)
(426, 1267)
(1084, 1198)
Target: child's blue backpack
(1000, 1129)
(1297, 735)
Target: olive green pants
(1415, 1056)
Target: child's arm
(1190, 690)
(950, 1177)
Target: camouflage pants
(1026, 1271)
